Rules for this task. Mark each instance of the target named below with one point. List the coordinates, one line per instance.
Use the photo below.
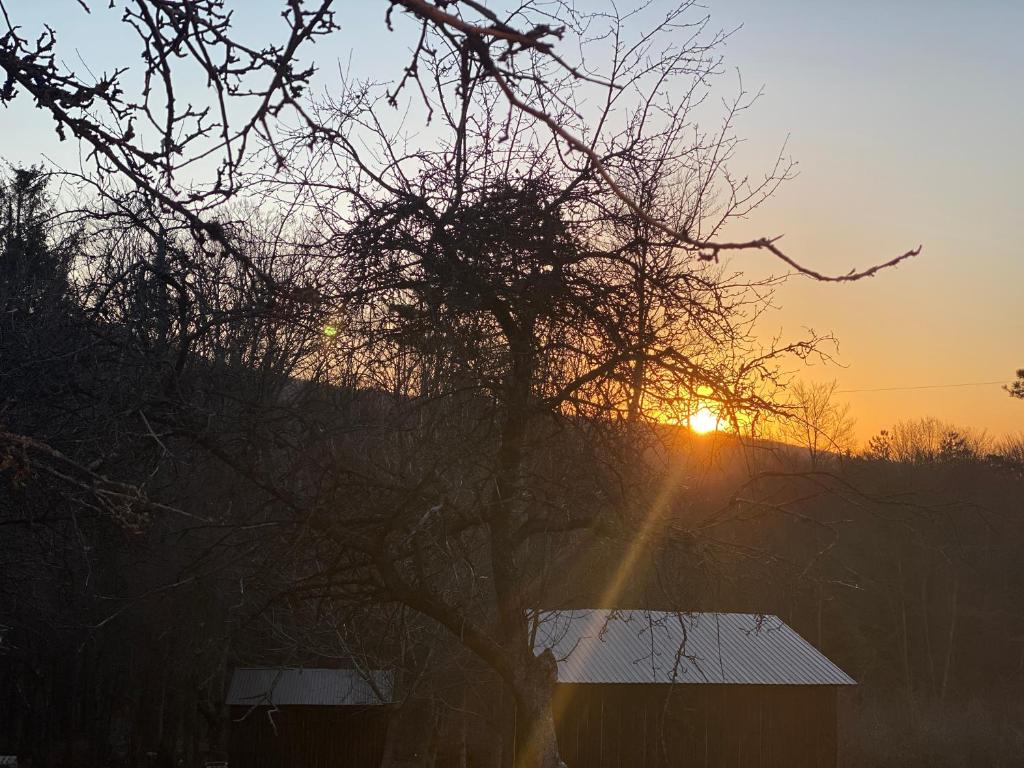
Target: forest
(181, 508)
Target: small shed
(647, 689)
(315, 718)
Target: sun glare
(703, 421)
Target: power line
(923, 386)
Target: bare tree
(928, 440)
(513, 325)
(1011, 449)
(817, 422)
(509, 303)
(154, 139)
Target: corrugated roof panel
(277, 686)
(635, 646)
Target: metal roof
(636, 646)
(277, 686)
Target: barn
(315, 718)
(647, 689)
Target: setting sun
(703, 421)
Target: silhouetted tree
(521, 317)
(1016, 388)
(502, 299)
(818, 423)
(152, 136)
(927, 440)
(35, 259)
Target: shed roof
(639, 646)
(278, 686)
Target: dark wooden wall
(704, 726)
(307, 737)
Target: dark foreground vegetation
(176, 498)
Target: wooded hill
(180, 496)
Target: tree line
(198, 495)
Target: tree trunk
(536, 744)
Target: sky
(905, 118)
(906, 121)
